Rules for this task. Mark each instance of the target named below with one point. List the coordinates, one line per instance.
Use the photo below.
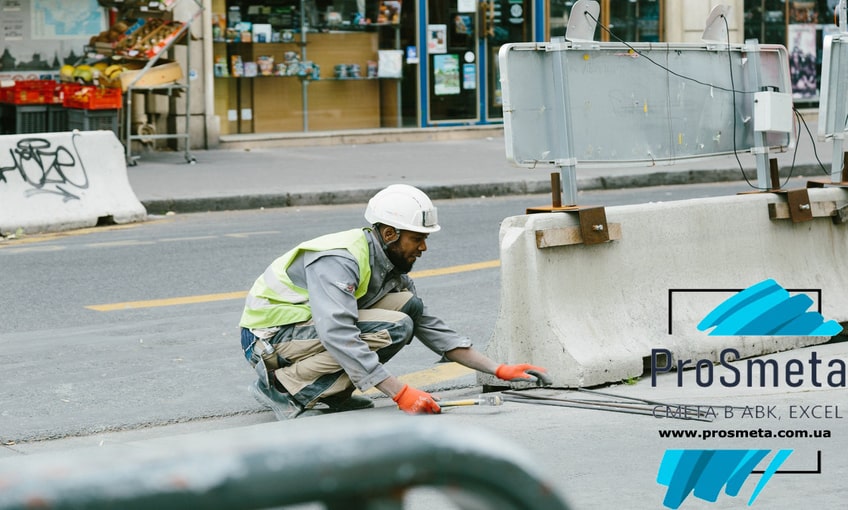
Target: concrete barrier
(62, 181)
(593, 314)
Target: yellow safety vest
(274, 300)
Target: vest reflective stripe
(283, 291)
(274, 300)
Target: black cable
(732, 90)
(812, 140)
(649, 59)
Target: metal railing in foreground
(359, 461)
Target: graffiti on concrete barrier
(47, 169)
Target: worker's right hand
(415, 401)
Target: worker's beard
(401, 264)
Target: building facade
(279, 68)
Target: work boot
(346, 402)
(283, 405)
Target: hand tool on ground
(482, 400)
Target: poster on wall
(446, 74)
(437, 38)
(803, 12)
(469, 76)
(802, 60)
(466, 6)
(39, 36)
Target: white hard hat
(404, 207)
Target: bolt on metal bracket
(798, 206)
(593, 227)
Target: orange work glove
(415, 401)
(522, 372)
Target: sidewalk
(251, 178)
(593, 459)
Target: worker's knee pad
(400, 330)
(413, 308)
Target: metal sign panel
(604, 103)
(833, 101)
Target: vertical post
(843, 14)
(760, 148)
(845, 167)
(838, 155)
(568, 166)
(304, 81)
(556, 190)
(398, 90)
(775, 174)
(838, 138)
(569, 184)
(187, 154)
(128, 126)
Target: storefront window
(629, 20)
(635, 20)
(799, 25)
(309, 65)
(558, 22)
(765, 20)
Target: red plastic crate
(30, 92)
(67, 88)
(89, 97)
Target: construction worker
(327, 315)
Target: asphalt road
(124, 327)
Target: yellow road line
(440, 373)
(51, 236)
(208, 298)
(152, 303)
(455, 269)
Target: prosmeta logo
(767, 309)
(763, 309)
(753, 372)
(705, 473)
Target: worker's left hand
(414, 401)
(523, 372)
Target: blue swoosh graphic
(775, 463)
(766, 309)
(705, 472)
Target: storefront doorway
(453, 66)
(507, 21)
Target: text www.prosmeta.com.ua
(758, 433)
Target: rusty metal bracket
(593, 229)
(798, 207)
(593, 225)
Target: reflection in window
(635, 20)
(630, 20)
(560, 10)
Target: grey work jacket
(330, 277)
